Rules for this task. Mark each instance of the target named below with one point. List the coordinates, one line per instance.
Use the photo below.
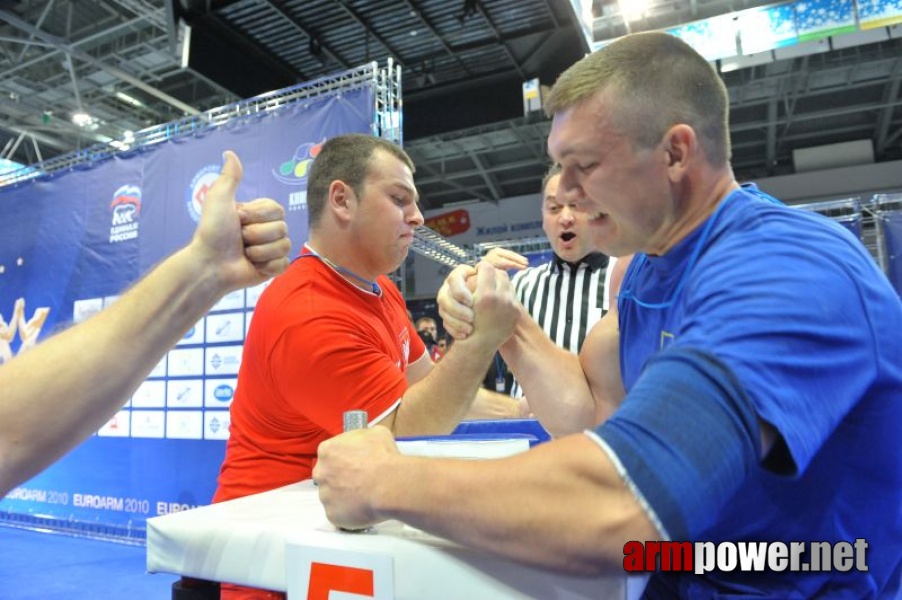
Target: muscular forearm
(492, 405)
(519, 513)
(552, 379)
(65, 388)
(437, 403)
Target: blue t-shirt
(796, 311)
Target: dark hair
(553, 170)
(426, 320)
(658, 81)
(344, 158)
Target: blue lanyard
(627, 294)
(374, 287)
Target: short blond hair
(658, 81)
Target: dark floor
(42, 566)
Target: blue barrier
(508, 427)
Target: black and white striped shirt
(565, 299)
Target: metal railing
(385, 83)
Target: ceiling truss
(464, 62)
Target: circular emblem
(197, 190)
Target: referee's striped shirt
(566, 300)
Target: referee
(565, 296)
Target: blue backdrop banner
(73, 241)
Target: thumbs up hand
(247, 242)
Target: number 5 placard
(317, 573)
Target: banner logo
(223, 393)
(295, 170)
(450, 223)
(215, 425)
(125, 208)
(29, 329)
(197, 190)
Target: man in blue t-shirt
(757, 400)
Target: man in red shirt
(332, 334)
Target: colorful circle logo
(296, 170)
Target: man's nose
(569, 185)
(567, 214)
(416, 216)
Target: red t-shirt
(317, 347)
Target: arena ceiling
(464, 63)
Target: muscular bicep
(416, 371)
(600, 360)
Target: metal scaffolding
(385, 83)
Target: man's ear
(681, 147)
(342, 200)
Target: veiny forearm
(436, 404)
(552, 379)
(492, 405)
(59, 392)
(560, 506)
